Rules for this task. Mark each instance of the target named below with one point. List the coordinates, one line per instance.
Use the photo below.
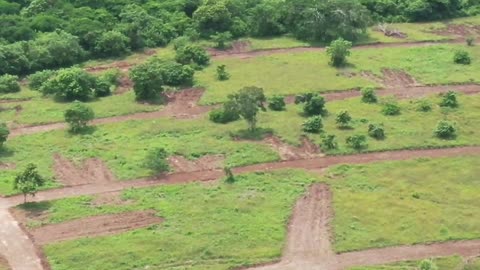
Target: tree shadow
(256, 135)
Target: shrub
(223, 116)
(112, 43)
(247, 102)
(4, 132)
(70, 84)
(9, 84)
(313, 124)
(222, 74)
(192, 54)
(175, 74)
(314, 106)
(156, 160)
(112, 76)
(329, 142)
(180, 42)
(36, 80)
(78, 116)
(424, 105)
(147, 80)
(445, 130)
(338, 51)
(343, 118)
(28, 182)
(449, 99)
(102, 88)
(302, 98)
(369, 95)
(427, 265)
(230, 178)
(276, 103)
(376, 131)
(470, 41)
(391, 108)
(357, 142)
(462, 57)
(222, 40)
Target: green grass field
(401, 203)
(447, 263)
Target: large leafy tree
(213, 16)
(247, 102)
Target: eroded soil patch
(110, 198)
(94, 226)
(93, 171)
(208, 162)
(286, 151)
(458, 31)
(392, 78)
(120, 65)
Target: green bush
(449, 99)
(302, 98)
(369, 95)
(222, 40)
(156, 160)
(376, 131)
(427, 265)
(329, 142)
(313, 124)
(222, 74)
(223, 116)
(462, 57)
(70, 84)
(357, 142)
(424, 105)
(276, 103)
(314, 106)
(4, 132)
(192, 54)
(9, 84)
(343, 118)
(391, 108)
(112, 76)
(112, 43)
(78, 116)
(36, 80)
(445, 130)
(338, 51)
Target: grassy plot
(446, 263)
(124, 146)
(46, 110)
(408, 202)
(207, 226)
(293, 73)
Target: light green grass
(415, 32)
(446, 263)
(408, 202)
(214, 226)
(22, 95)
(297, 72)
(275, 43)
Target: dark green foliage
(14, 58)
(276, 103)
(36, 80)
(9, 84)
(112, 43)
(213, 16)
(427, 265)
(470, 41)
(175, 74)
(369, 95)
(376, 131)
(338, 51)
(449, 99)
(314, 106)
(424, 105)
(462, 57)
(103, 88)
(156, 160)
(329, 142)
(247, 102)
(445, 130)
(112, 76)
(223, 116)
(313, 124)
(147, 80)
(222, 74)
(28, 182)
(222, 40)
(391, 108)
(78, 116)
(230, 178)
(357, 142)
(302, 98)
(343, 119)
(70, 84)
(4, 132)
(192, 54)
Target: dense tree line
(40, 34)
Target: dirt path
(94, 226)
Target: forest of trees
(42, 34)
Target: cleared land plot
(447, 263)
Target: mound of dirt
(93, 171)
(94, 226)
(286, 151)
(208, 162)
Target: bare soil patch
(458, 31)
(239, 46)
(208, 162)
(110, 198)
(93, 171)
(125, 85)
(7, 166)
(120, 65)
(286, 151)
(94, 226)
(392, 78)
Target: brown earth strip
(286, 151)
(208, 162)
(93, 171)
(7, 166)
(94, 226)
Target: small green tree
(470, 41)
(222, 40)
(276, 103)
(28, 182)
(9, 84)
(391, 108)
(427, 265)
(343, 119)
(313, 124)
(4, 132)
(424, 105)
(338, 51)
(222, 74)
(156, 160)
(147, 80)
(462, 57)
(376, 131)
(449, 99)
(369, 95)
(357, 142)
(329, 142)
(247, 102)
(314, 106)
(230, 178)
(445, 130)
(78, 116)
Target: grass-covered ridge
(444, 263)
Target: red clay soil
(286, 151)
(94, 226)
(93, 171)
(208, 162)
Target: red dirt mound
(94, 226)
(93, 171)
